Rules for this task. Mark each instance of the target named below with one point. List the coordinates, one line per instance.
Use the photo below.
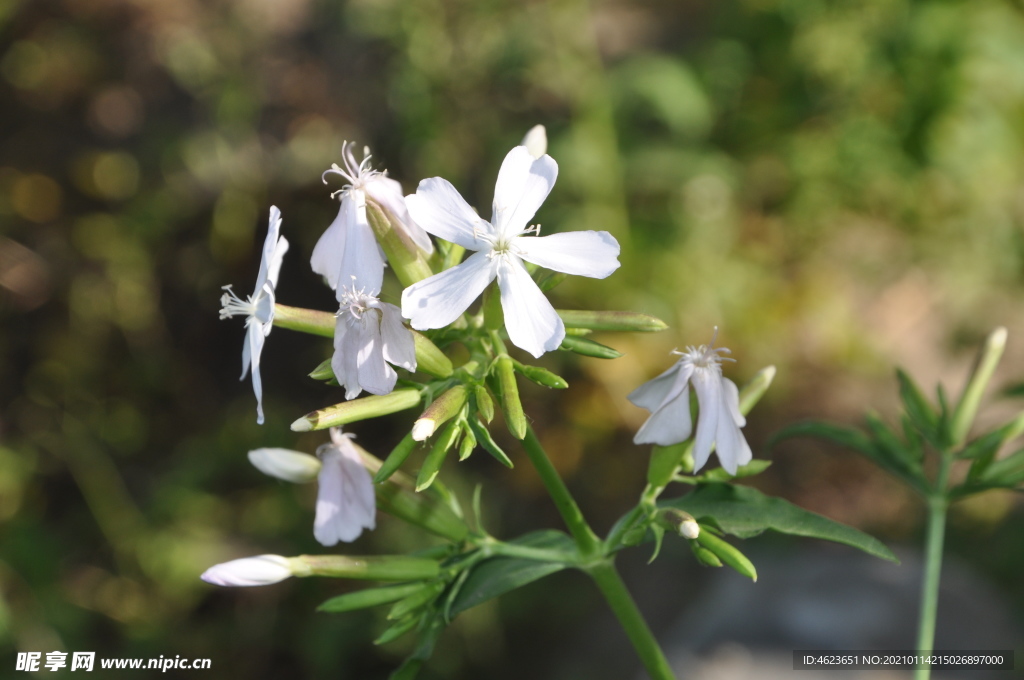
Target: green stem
(937, 505)
(621, 602)
(586, 540)
(602, 570)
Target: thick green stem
(621, 602)
(938, 503)
(602, 570)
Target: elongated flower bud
(323, 371)
(484, 403)
(510, 404)
(395, 458)
(442, 409)
(261, 570)
(728, 554)
(611, 321)
(541, 376)
(468, 442)
(704, 556)
(358, 409)
(588, 348)
(681, 522)
(434, 460)
(984, 366)
(430, 359)
(291, 466)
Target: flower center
(706, 356)
(355, 301)
(357, 174)
(232, 305)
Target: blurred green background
(839, 186)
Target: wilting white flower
(261, 570)
(368, 335)
(719, 420)
(345, 504)
(502, 244)
(258, 308)
(536, 141)
(291, 466)
(349, 248)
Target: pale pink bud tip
(261, 570)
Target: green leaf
(369, 597)
(744, 512)
(754, 467)
(484, 439)
(499, 575)
(922, 414)
(658, 532)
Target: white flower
(291, 466)
(345, 504)
(261, 570)
(667, 397)
(536, 141)
(502, 244)
(258, 308)
(369, 334)
(349, 248)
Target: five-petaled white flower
(349, 248)
(345, 503)
(719, 420)
(368, 335)
(502, 244)
(258, 308)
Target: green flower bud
(588, 348)
(442, 409)
(704, 556)
(484, 403)
(430, 359)
(358, 409)
(434, 459)
(981, 374)
(611, 321)
(468, 442)
(681, 522)
(367, 567)
(728, 554)
(395, 458)
(509, 397)
(323, 371)
(541, 376)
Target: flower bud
(588, 348)
(468, 442)
(484, 403)
(358, 409)
(432, 463)
(541, 376)
(261, 570)
(755, 388)
(509, 397)
(705, 556)
(430, 359)
(611, 321)
(727, 554)
(368, 567)
(442, 409)
(395, 458)
(981, 374)
(681, 522)
(323, 371)
(406, 259)
(291, 466)
(536, 141)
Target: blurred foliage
(838, 185)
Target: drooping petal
(655, 392)
(731, 395)
(345, 500)
(260, 570)
(670, 423)
(531, 321)
(291, 466)
(399, 346)
(523, 184)
(362, 264)
(375, 375)
(346, 351)
(583, 253)
(270, 245)
(440, 209)
(274, 269)
(707, 383)
(388, 193)
(730, 444)
(254, 344)
(437, 301)
(329, 250)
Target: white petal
(254, 344)
(345, 500)
(388, 193)
(344, 363)
(523, 184)
(531, 321)
(329, 250)
(291, 466)
(670, 424)
(249, 571)
(440, 209)
(375, 375)
(362, 264)
(274, 269)
(707, 384)
(399, 346)
(437, 301)
(731, 446)
(731, 396)
(655, 392)
(536, 141)
(583, 253)
(270, 245)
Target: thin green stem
(621, 602)
(586, 540)
(938, 503)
